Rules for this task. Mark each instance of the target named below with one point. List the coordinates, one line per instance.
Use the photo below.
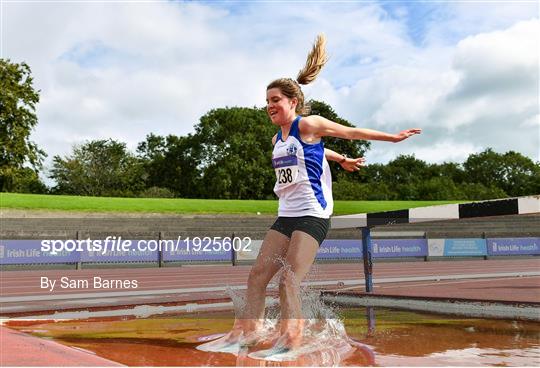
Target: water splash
(238, 298)
(324, 339)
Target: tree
(449, 170)
(484, 168)
(439, 188)
(234, 155)
(521, 175)
(18, 101)
(511, 172)
(401, 175)
(351, 148)
(477, 191)
(98, 168)
(26, 180)
(234, 151)
(171, 163)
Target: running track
(515, 280)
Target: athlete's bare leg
(300, 256)
(268, 262)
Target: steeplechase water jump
(304, 188)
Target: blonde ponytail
(315, 61)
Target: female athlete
(303, 185)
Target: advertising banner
(340, 249)
(465, 247)
(513, 246)
(120, 250)
(382, 248)
(29, 252)
(200, 250)
(435, 247)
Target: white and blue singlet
(303, 179)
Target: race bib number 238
(286, 169)
(285, 175)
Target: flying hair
(291, 88)
(316, 59)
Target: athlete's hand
(404, 134)
(353, 164)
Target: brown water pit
(393, 338)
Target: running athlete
(303, 185)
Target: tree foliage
(18, 100)
(170, 163)
(511, 172)
(351, 148)
(484, 175)
(235, 153)
(229, 157)
(98, 168)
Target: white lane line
(437, 283)
(381, 268)
(43, 297)
(138, 311)
(316, 273)
(148, 290)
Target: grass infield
(185, 206)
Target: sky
(466, 72)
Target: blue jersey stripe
(313, 158)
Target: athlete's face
(279, 107)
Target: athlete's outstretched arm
(322, 127)
(349, 164)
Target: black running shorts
(315, 226)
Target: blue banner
(340, 249)
(207, 249)
(204, 249)
(382, 248)
(29, 252)
(465, 247)
(131, 254)
(513, 246)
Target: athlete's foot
(291, 333)
(246, 332)
(260, 339)
(271, 338)
(243, 330)
(250, 339)
(288, 341)
(227, 343)
(282, 350)
(233, 337)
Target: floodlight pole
(366, 252)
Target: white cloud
(532, 121)
(441, 151)
(486, 88)
(498, 89)
(123, 70)
(501, 62)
